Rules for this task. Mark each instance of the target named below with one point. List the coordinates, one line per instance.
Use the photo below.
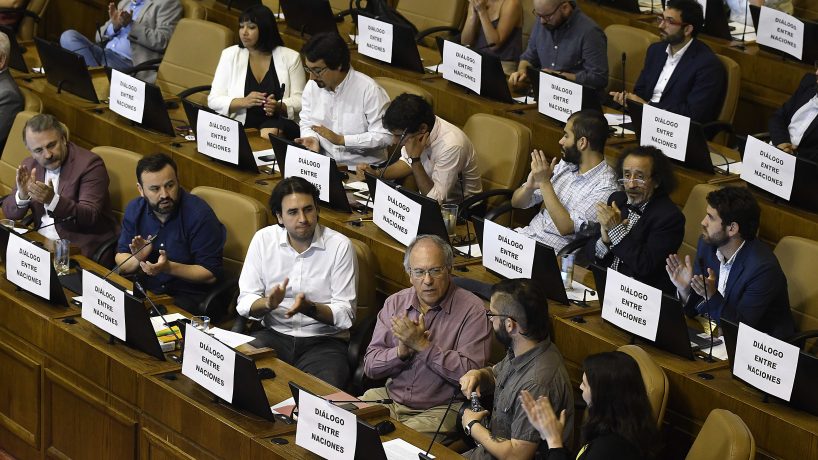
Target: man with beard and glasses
(518, 314)
(175, 237)
(794, 127)
(568, 190)
(681, 74)
(60, 181)
(341, 108)
(426, 337)
(743, 281)
(299, 279)
(641, 226)
(567, 43)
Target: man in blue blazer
(794, 127)
(744, 282)
(681, 74)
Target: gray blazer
(11, 102)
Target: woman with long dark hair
(259, 81)
(620, 424)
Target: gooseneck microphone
(41, 226)
(425, 455)
(709, 319)
(624, 92)
(138, 286)
(388, 162)
(147, 243)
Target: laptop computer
(155, 116)
(405, 54)
(308, 17)
(66, 70)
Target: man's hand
(787, 147)
(703, 285)
(543, 418)
(412, 334)
(622, 98)
(609, 216)
(277, 295)
(140, 248)
(328, 134)
(365, 167)
(415, 145)
(541, 169)
(39, 191)
(680, 273)
(113, 16)
(272, 106)
(469, 415)
(125, 18)
(517, 78)
(404, 352)
(24, 178)
(300, 305)
(470, 382)
(309, 142)
(162, 265)
(254, 99)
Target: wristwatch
(467, 428)
(413, 160)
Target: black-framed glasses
(491, 315)
(317, 71)
(660, 19)
(547, 17)
(434, 272)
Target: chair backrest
(14, 152)
(272, 4)
(656, 383)
(502, 148)
(31, 101)
(731, 95)
(425, 14)
(529, 20)
(367, 305)
(28, 26)
(694, 210)
(395, 88)
(121, 166)
(724, 435)
(632, 41)
(193, 9)
(799, 260)
(192, 56)
(242, 217)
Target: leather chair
(395, 88)
(694, 211)
(656, 382)
(724, 436)
(721, 130)
(502, 147)
(434, 16)
(798, 258)
(242, 216)
(366, 315)
(632, 41)
(31, 101)
(14, 153)
(193, 10)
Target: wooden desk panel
(21, 368)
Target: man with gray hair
(64, 186)
(426, 337)
(11, 101)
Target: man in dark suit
(794, 127)
(62, 181)
(744, 282)
(641, 226)
(681, 74)
(11, 101)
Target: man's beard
(571, 154)
(157, 209)
(717, 240)
(503, 337)
(674, 39)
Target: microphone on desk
(709, 319)
(147, 243)
(41, 226)
(425, 455)
(138, 286)
(624, 91)
(744, 31)
(388, 162)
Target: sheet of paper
(734, 167)
(398, 449)
(615, 119)
(475, 250)
(525, 99)
(265, 153)
(578, 290)
(158, 324)
(230, 338)
(285, 407)
(357, 185)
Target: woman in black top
(620, 424)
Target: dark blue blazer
(756, 292)
(696, 88)
(780, 121)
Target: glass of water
(201, 323)
(62, 256)
(449, 213)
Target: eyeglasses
(639, 182)
(317, 71)
(660, 19)
(547, 17)
(419, 273)
(491, 315)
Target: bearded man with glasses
(426, 337)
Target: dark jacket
(780, 121)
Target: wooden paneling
(20, 375)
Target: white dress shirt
(724, 268)
(355, 110)
(46, 228)
(667, 71)
(802, 119)
(326, 273)
(449, 153)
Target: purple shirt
(460, 341)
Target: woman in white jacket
(259, 81)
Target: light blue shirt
(119, 42)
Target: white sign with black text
(666, 131)
(127, 97)
(765, 362)
(325, 429)
(396, 214)
(506, 251)
(218, 137)
(375, 38)
(559, 98)
(462, 66)
(209, 363)
(768, 167)
(103, 305)
(781, 31)
(632, 305)
(313, 167)
(28, 266)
